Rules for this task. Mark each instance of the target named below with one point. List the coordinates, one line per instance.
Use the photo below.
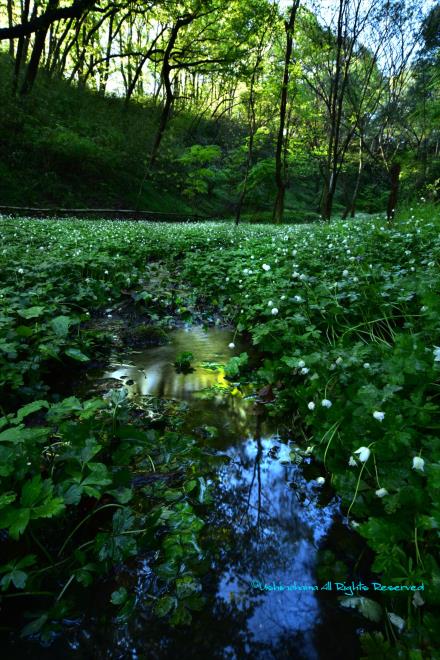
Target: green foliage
(344, 317)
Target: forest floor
(343, 319)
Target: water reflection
(265, 527)
(271, 518)
(152, 371)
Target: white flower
(378, 415)
(320, 481)
(274, 311)
(382, 492)
(364, 454)
(231, 345)
(326, 403)
(297, 299)
(418, 463)
(397, 621)
(345, 273)
(436, 350)
(311, 405)
(366, 365)
(266, 267)
(352, 462)
(301, 363)
(20, 271)
(270, 303)
(304, 371)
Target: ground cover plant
(344, 319)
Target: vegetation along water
(219, 329)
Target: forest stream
(275, 520)
(270, 523)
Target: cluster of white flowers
(266, 267)
(379, 415)
(326, 403)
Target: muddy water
(261, 592)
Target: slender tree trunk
(10, 24)
(252, 127)
(105, 70)
(168, 85)
(351, 206)
(37, 51)
(280, 162)
(395, 170)
(21, 48)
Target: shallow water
(268, 522)
(275, 521)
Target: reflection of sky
(282, 543)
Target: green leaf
(76, 354)
(31, 312)
(164, 605)
(7, 498)
(60, 325)
(30, 408)
(17, 577)
(31, 491)
(119, 596)
(34, 626)
(19, 520)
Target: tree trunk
(37, 51)
(166, 80)
(351, 206)
(395, 170)
(252, 127)
(21, 48)
(10, 24)
(280, 162)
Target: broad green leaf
(60, 325)
(30, 408)
(76, 354)
(31, 312)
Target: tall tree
(282, 137)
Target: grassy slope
(69, 147)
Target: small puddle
(274, 521)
